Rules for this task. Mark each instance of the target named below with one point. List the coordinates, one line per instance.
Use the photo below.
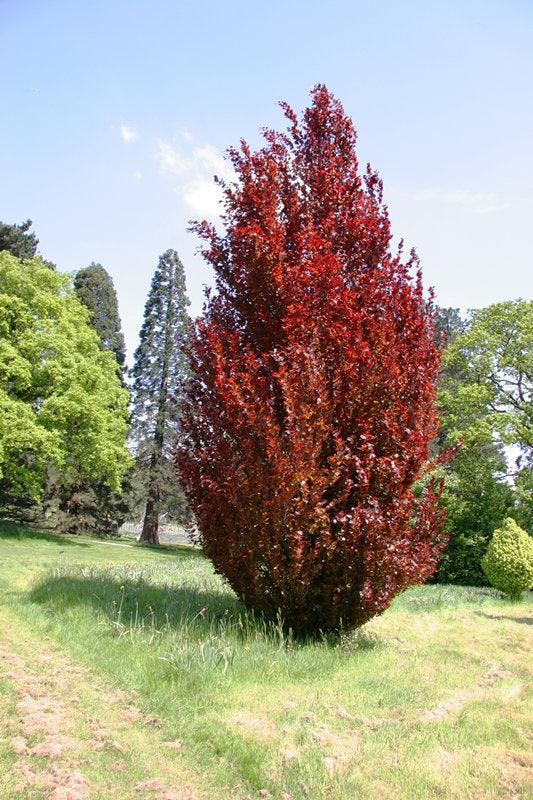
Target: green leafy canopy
(61, 400)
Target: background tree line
(85, 444)
(122, 423)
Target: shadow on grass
(166, 549)
(10, 530)
(142, 596)
(14, 530)
(131, 599)
(520, 620)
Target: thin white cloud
(477, 202)
(137, 175)
(196, 171)
(203, 196)
(208, 158)
(169, 161)
(128, 134)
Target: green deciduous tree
(485, 399)
(160, 367)
(476, 498)
(495, 356)
(80, 505)
(61, 402)
(94, 287)
(524, 494)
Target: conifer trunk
(150, 529)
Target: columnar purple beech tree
(310, 408)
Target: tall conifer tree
(160, 367)
(94, 287)
(19, 240)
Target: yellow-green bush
(508, 562)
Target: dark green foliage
(85, 507)
(18, 239)
(448, 324)
(160, 367)
(172, 501)
(94, 287)
(475, 503)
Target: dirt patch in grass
(516, 769)
(289, 754)
(174, 745)
(454, 704)
(338, 748)
(119, 696)
(155, 789)
(443, 760)
(131, 714)
(255, 726)
(42, 714)
(45, 724)
(59, 783)
(53, 746)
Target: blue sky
(116, 114)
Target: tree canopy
(486, 399)
(311, 405)
(495, 357)
(18, 240)
(159, 370)
(61, 401)
(94, 287)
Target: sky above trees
(116, 115)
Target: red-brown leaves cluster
(311, 405)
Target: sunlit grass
(327, 717)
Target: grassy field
(131, 673)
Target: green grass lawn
(430, 700)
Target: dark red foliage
(311, 405)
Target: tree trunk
(150, 529)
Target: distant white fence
(168, 532)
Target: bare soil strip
(76, 740)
